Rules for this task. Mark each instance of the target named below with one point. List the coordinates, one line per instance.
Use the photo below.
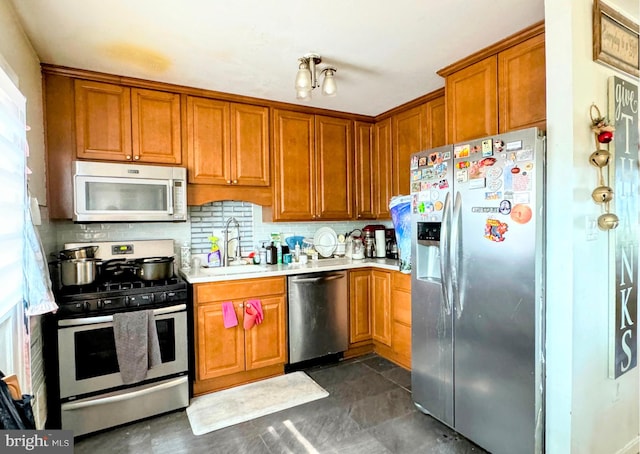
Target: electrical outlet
(591, 228)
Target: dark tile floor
(369, 410)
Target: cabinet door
(155, 127)
(408, 138)
(381, 307)
(293, 164)
(334, 168)
(436, 123)
(472, 101)
(382, 168)
(359, 306)
(522, 85)
(103, 121)
(208, 156)
(249, 145)
(266, 344)
(219, 350)
(364, 168)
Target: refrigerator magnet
(498, 145)
(415, 186)
(524, 155)
(434, 158)
(493, 195)
(462, 176)
(487, 147)
(422, 161)
(416, 175)
(477, 183)
(463, 164)
(495, 230)
(443, 184)
(515, 145)
(521, 213)
(505, 207)
(446, 155)
(461, 151)
(475, 149)
(494, 185)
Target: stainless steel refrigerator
(477, 289)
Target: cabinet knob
(235, 181)
(128, 157)
(228, 181)
(135, 158)
(241, 305)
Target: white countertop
(258, 271)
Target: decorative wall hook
(603, 194)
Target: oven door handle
(109, 318)
(69, 406)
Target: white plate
(325, 241)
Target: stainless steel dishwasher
(318, 315)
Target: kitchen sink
(237, 269)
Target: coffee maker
(392, 247)
(370, 245)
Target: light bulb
(303, 77)
(329, 87)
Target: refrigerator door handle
(456, 249)
(444, 255)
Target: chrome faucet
(225, 256)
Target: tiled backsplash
(204, 221)
(211, 217)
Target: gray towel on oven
(137, 345)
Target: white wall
(587, 412)
(19, 54)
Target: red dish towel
(229, 315)
(253, 314)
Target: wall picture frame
(616, 39)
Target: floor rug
(243, 403)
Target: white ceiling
(386, 51)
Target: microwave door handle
(170, 198)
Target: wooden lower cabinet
(226, 357)
(380, 314)
(401, 317)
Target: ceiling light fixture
(306, 79)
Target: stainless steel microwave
(106, 192)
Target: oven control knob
(86, 306)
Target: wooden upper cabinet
(208, 141)
(117, 123)
(408, 128)
(103, 121)
(155, 132)
(436, 122)
(334, 167)
(498, 89)
(522, 85)
(227, 143)
(364, 171)
(472, 101)
(382, 168)
(293, 165)
(313, 167)
(250, 145)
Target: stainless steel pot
(154, 268)
(81, 271)
(84, 252)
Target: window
(13, 208)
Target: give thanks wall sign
(623, 241)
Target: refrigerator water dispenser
(428, 250)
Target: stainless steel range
(90, 393)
